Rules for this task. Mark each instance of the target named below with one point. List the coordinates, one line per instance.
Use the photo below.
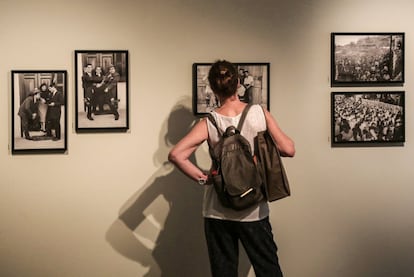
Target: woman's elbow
(172, 157)
(291, 153)
(288, 150)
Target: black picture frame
(367, 59)
(204, 100)
(39, 111)
(102, 98)
(375, 118)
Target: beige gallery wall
(113, 206)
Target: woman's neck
(229, 100)
(230, 106)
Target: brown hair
(223, 78)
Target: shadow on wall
(382, 250)
(167, 239)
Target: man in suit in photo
(29, 112)
(109, 87)
(55, 101)
(88, 82)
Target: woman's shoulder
(237, 111)
(231, 110)
(257, 109)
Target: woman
(224, 227)
(44, 94)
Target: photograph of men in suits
(39, 111)
(101, 83)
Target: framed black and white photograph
(101, 102)
(367, 59)
(368, 118)
(39, 111)
(254, 86)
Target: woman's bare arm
(285, 144)
(182, 151)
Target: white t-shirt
(254, 123)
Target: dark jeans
(257, 239)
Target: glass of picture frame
(39, 111)
(367, 59)
(101, 91)
(375, 118)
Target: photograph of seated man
(97, 106)
(107, 92)
(100, 90)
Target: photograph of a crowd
(253, 86)
(367, 59)
(39, 114)
(368, 117)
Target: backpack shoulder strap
(214, 157)
(243, 117)
(213, 121)
(241, 121)
(264, 114)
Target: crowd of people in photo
(369, 69)
(382, 65)
(41, 111)
(100, 89)
(377, 117)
